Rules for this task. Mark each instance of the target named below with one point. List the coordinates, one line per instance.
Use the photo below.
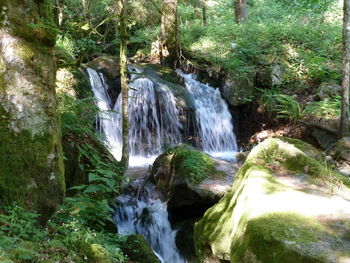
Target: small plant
(268, 100)
(288, 108)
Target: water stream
(154, 123)
(150, 129)
(214, 120)
(148, 217)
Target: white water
(149, 218)
(213, 119)
(150, 129)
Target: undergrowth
(78, 231)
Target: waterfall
(148, 217)
(213, 118)
(108, 119)
(150, 129)
(154, 118)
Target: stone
(237, 90)
(328, 90)
(277, 73)
(186, 177)
(136, 248)
(280, 208)
(31, 159)
(342, 149)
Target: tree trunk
(31, 160)
(204, 14)
(124, 81)
(344, 119)
(169, 36)
(241, 11)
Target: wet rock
(280, 207)
(138, 250)
(186, 176)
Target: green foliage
(193, 164)
(288, 108)
(90, 203)
(77, 116)
(305, 36)
(327, 108)
(23, 240)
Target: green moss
(138, 250)
(34, 21)
(269, 240)
(192, 164)
(96, 253)
(231, 231)
(25, 174)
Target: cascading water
(148, 217)
(154, 123)
(213, 119)
(108, 119)
(150, 129)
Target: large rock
(238, 90)
(328, 90)
(281, 209)
(136, 248)
(31, 159)
(186, 176)
(342, 149)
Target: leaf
(85, 27)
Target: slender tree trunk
(31, 160)
(241, 11)
(204, 15)
(169, 35)
(344, 119)
(124, 80)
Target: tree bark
(31, 160)
(344, 119)
(124, 81)
(169, 35)
(241, 10)
(204, 15)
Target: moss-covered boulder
(186, 176)
(284, 206)
(95, 253)
(238, 90)
(138, 250)
(31, 160)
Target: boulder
(328, 90)
(277, 73)
(238, 90)
(136, 248)
(281, 208)
(186, 176)
(341, 149)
